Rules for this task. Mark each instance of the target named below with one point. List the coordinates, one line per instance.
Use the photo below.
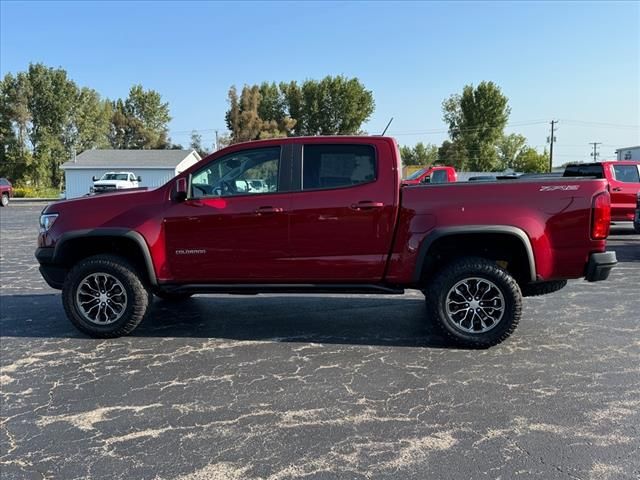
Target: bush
(35, 192)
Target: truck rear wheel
(104, 297)
(474, 302)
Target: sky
(575, 62)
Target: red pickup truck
(624, 184)
(432, 175)
(328, 215)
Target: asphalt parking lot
(317, 387)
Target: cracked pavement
(317, 387)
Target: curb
(33, 200)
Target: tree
(90, 123)
(453, 154)
(140, 121)
(509, 147)
(419, 154)
(196, 144)
(477, 119)
(530, 161)
(331, 106)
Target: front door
(234, 225)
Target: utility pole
(595, 153)
(551, 140)
(217, 146)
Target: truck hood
(121, 209)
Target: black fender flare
(439, 233)
(137, 238)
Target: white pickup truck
(115, 181)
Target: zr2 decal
(553, 188)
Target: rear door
(342, 216)
(625, 184)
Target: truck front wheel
(474, 302)
(104, 297)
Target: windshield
(115, 176)
(417, 174)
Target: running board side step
(255, 288)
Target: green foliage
(331, 106)
(140, 121)
(420, 154)
(477, 119)
(509, 148)
(35, 192)
(530, 161)
(453, 154)
(45, 117)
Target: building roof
(113, 159)
(628, 148)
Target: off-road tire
(636, 227)
(468, 267)
(173, 297)
(542, 288)
(138, 296)
(4, 201)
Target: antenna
(385, 128)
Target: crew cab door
(228, 230)
(625, 184)
(343, 213)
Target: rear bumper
(600, 265)
(52, 274)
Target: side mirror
(180, 190)
(139, 178)
(426, 180)
(94, 178)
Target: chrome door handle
(366, 205)
(268, 209)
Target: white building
(155, 167)
(628, 153)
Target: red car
(6, 191)
(330, 217)
(624, 182)
(432, 175)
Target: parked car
(338, 222)
(624, 183)
(432, 175)
(115, 181)
(6, 191)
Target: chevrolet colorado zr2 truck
(330, 217)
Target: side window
(247, 172)
(337, 166)
(439, 176)
(626, 173)
(132, 178)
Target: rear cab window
(337, 166)
(584, 171)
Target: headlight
(46, 221)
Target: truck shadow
(362, 320)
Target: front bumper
(53, 274)
(600, 265)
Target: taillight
(601, 216)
